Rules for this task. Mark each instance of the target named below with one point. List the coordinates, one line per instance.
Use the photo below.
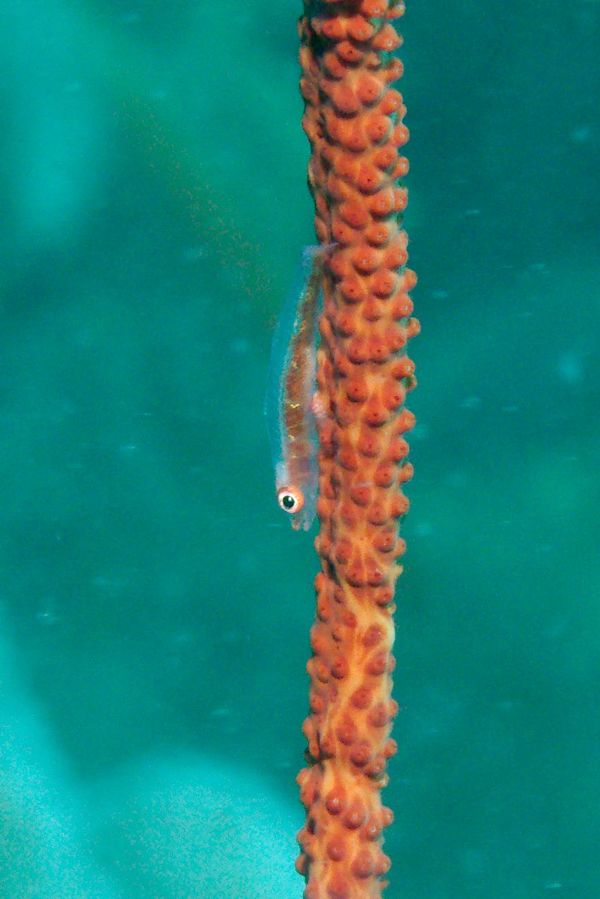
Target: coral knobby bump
(353, 119)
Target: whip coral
(353, 119)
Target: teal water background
(154, 606)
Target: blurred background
(154, 605)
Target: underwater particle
(471, 402)
(130, 18)
(570, 368)
(46, 618)
(580, 135)
(239, 346)
(193, 254)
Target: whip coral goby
(353, 119)
(290, 400)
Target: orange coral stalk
(353, 119)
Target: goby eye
(290, 499)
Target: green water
(154, 606)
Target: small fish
(290, 400)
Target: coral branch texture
(353, 119)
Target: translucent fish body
(289, 404)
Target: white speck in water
(471, 402)
(182, 639)
(423, 529)
(570, 368)
(192, 254)
(456, 480)
(130, 18)
(240, 346)
(127, 449)
(581, 134)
